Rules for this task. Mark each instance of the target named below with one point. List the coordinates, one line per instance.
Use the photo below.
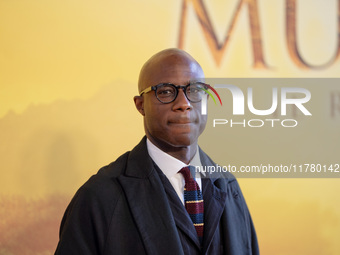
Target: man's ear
(139, 103)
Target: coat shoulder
(105, 183)
(87, 219)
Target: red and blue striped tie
(193, 200)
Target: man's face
(179, 123)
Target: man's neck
(182, 153)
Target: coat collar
(139, 164)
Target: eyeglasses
(167, 92)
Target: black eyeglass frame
(177, 87)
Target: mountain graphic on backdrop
(56, 147)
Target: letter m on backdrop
(216, 48)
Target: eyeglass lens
(168, 92)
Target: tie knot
(187, 173)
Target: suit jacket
(129, 207)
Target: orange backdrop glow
(68, 73)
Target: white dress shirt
(170, 167)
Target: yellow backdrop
(68, 73)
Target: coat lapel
(214, 204)
(180, 214)
(148, 203)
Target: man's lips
(181, 121)
(186, 125)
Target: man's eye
(166, 92)
(195, 89)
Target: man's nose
(182, 103)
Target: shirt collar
(168, 164)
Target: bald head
(164, 65)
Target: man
(143, 202)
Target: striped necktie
(193, 200)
